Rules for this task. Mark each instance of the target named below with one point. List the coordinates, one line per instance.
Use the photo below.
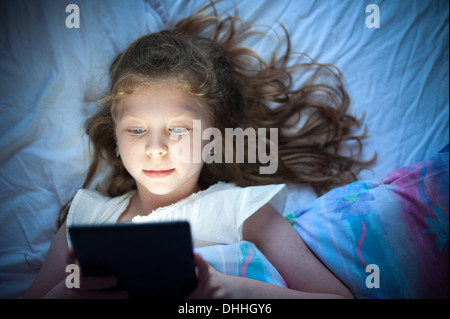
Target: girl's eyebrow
(183, 114)
(189, 113)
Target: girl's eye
(136, 131)
(179, 130)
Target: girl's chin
(169, 189)
(158, 189)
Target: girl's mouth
(159, 173)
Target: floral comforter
(384, 239)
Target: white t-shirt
(216, 214)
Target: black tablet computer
(151, 260)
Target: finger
(101, 295)
(200, 263)
(202, 268)
(70, 258)
(111, 295)
(97, 282)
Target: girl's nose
(156, 146)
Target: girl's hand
(90, 287)
(211, 283)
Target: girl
(197, 71)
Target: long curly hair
(205, 55)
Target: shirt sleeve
(90, 207)
(255, 197)
(83, 202)
(223, 212)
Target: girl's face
(145, 121)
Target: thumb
(70, 258)
(201, 267)
(202, 271)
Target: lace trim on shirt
(190, 198)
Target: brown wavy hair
(205, 55)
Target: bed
(394, 58)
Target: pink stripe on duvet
(247, 261)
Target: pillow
(386, 239)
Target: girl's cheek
(186, 150)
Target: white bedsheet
(396, 74)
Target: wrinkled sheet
(397, 75)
